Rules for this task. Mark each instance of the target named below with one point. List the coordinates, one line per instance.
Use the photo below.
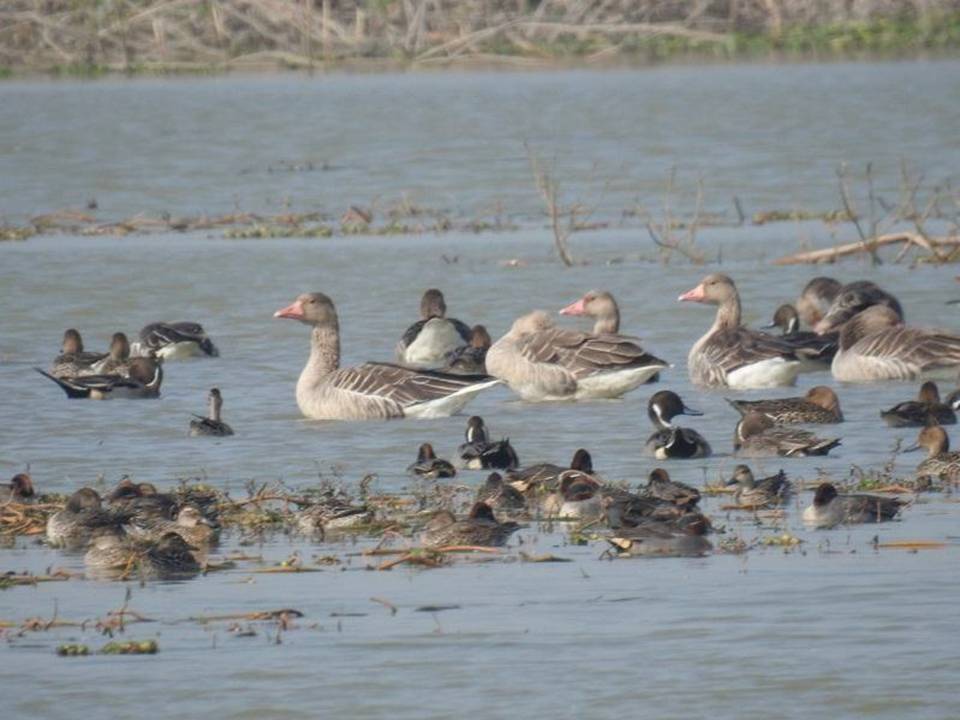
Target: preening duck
(143, 381)
(428, 341)
(819, 405)
(669, 440)
(325, 391)
(211, 425)
(470, 359)
(173, 341)
(927, 409)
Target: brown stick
(838, 251)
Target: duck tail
(70, 389)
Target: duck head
(476, 430)
(665, 405)
(929, 393)
(147, 371)
(825, 397)
(432, 305)
(480, 338)
(190, 516)
(72, 342)
(750, 425)
(21, 486)
(786, 318)
(742, 476)
(824, 494)
(84, 499)
(426, 453)
(119, 347)
(933, 439)
(582, 461)
(481, 511)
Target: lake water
(835, 629)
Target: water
(838, 629)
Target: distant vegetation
(90, 36)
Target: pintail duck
(817, 350)
(143, 381)
(428, 465)
(764, 493)
(500, 495)
(325, 391)
(479, 453)
(470, 359)
(940, 461)
(544, 478)
(875, 345)
(211, 425)
(166, 558)
(853, 299)
(428, 341)
(480, 527)
(669, 440)
(626, 509)
(541, 362)
(83, 516)
(117, 361)
(819, 405)
(662, 488)
(757, 436)
(816, 298)
(19, 489)
(925, 410)
(190, 524)
(657, 539)
(73, 360)
(174, 341)
(731, 355)
(830, 508)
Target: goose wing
(731, 349)
(402, 385)
(584, 354)
(921, 349)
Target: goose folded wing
(733, 349)
(583, 353)
(400, 384)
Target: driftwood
(826, 255)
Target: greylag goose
(480, 527)
(325, 391)
(875, 345)
(73, 360)
(427, 342)
(830, 508)
(816, 298)
(854, 298)
(818, 350)
(670, 441)
(757, 436)
(117, 361)
(211, 425)
(599, 305)
(764, 493)
(470, 359)
(479, 453)
(940, 461)
(19, 489)
(143, 381)
(819, 405)
(429, 466)
(925, 410)
(731, 355)
(174, 341)
(540, 361)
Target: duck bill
(911, 448)
(575, 308)
(695, 295)
(731, 481)
(691, 411)
(294, 311)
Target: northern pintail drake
(174, 341)
(480, 527)
(830, 508)
(427, 342)
(544, 478)
(325, 391)
(428, 465)
(470, 359)
(143, 381)
(854, 298)
(757, 436)
(19, 489)
(819, 405)
(479, 453)
(940, 462)
(816, 298)
(117, 361)
(501, 495)
(763, 493)
(662, 488)
(541, 362)
(166, 558)
(669, 440)
(817, 350)
(927, 409)
(875, 345)
(190, 524)
(73, 360)
(658, 539)
(211, 425)
(731, 355)
(82, 517)
(599, 305)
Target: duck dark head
(432, 305)
(476, 430)
(426, 453)
(481, 511)
(824, 494)
(494, 480)
(786, 318)
(664, 406)
(146, 371)
(582, 461)
(72, 342)
(480, 338)
(84, 499)
(742, 476)
(313, 308)
(929, 393)
(21, 486)
(577, 487)
(658, 476)
(119, 347)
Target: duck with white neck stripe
(669, 440)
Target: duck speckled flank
(820, 405)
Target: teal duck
(764, 493)
(819, 405)
(480, 527)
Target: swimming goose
(212, 425)
(73, 360)
(166, 558)
(730, 355)
(854, 298)
(325, 391)
(875, 345)
(500, 495)
(925, 410)
(19, 489)
(480, 527)
(479, 453)
(816, 298)
(542, 362)
(764, 493)
(174, 341)
(661, 487)
(143, 381)
(830, 508)
(117, 361)
(669, 440)
(599, 305)
(470, 359)
(940, 461)
(818, 349)
(819, 405)
(427, 342)
(428, 465)
(82, 517)
(757, 436)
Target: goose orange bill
(294, 311)
(695, 295)
(575, 308)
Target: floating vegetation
(130, 647)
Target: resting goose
(174, 341)
(427, 342)
(669, 440)
(925, 410)
(470, 359)
(757, 436)
(73, 360)
(325, 391)
(819, 405)
(541, 362)
(143, 381)
(875, 345)
(830, 508)
(815, 300)
(730, 355)
(212, 425)
(854, 298)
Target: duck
(428, 465)
(82, 517)
(940, 462)
(763, 493)
(166, 558)
(731, 355)
(142, 500)
(818, 350)
(144, 380)
(174, 341)
(501, 495)
(190, 524)
(578, 497)
(599, 305)
(830, 508)
(428, 341)
(371, 391)
(480, 527)
(757, 436)
(852, 299)
(670, 441)
(73, 360)
(117, 361)
(541, 362)
(925, 410)
(542, 479)
(816, 298)
(657, 539)
(19, 489)
(470, 359)
(212, 425)
(624, 509)
(662, 488)
(334, 512)
(876, 346)
(479, 453)
(820, 405)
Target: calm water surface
(837, 629)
